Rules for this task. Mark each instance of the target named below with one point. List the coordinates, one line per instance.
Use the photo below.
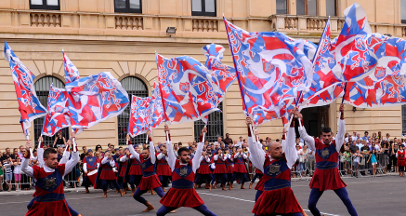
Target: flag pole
(236, 68)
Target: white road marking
(252, 201)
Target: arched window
(42, 90)
(214, 126)
(137, 87)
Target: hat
(160, 145)
(117, 149)
(126, 149)
(89, 151)
(135, 145)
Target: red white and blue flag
(187, 89)
(140, 116)
(157, 112)
(272, 70)
(373, 61)
(223, 75)
(58, 113)
(28, 103)
(71, 72)
(95, 98)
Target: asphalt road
(370, 196)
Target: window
(331, 8)
(281, 7)
(204, 8)
(306, 7)
(45, 5)
(127, 6)
(137, 87)
(403, 11)
(214, 126)
(42, 91)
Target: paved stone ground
(370, 196)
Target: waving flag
(71, 72)
(272, 70)
(375, 62)
(94, 99)
(223, 75)
(187, 89)
(28, 103)
(58, 113)
(140, 116)
(157, 112)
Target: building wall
(97, 39)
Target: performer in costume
(204, 173)
(278, 197)
(163, 170)
(326, 175)
(135, 169)
(90, 166)
(107, 175)
(41, 163)
(240, 171)
(150, 180)
(182, 193)
(230, 168)
(124, 167)
(220, 172)
(49, 196)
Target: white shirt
(258, 156)
(195, 160)
(354, 138)
(239, 144)
(310, 140)
(151, 152)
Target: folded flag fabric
(157, 112)
(28, 103)
(58, 116)
(187, 89)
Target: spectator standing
(303, 153)
(385, 157)
(357, 160)
(354, 136)
(17, 172)
(59, 140)
(1, 176)
(228, 140)
(347, 162)
(401, 160)
(359, 144)
(8, 171)
(365, 137)
(394, 159)
(310, 161)
(374, 162)
(239, 143)
(353, 148)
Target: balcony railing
(45, 19)
(154, 26)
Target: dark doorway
(314, 118)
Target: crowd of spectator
(364, 153)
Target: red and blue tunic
(326, 175)
(204, 167)
(135, 168)
(230, 164)
(278, 196)
(239, 164)
(162, 168)
(182, 193)
(107, 172)
(260, 184)
(49, 196)
(220, 166)
(123, 167)
(91, 165)
(149, 179)
(401, 158)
